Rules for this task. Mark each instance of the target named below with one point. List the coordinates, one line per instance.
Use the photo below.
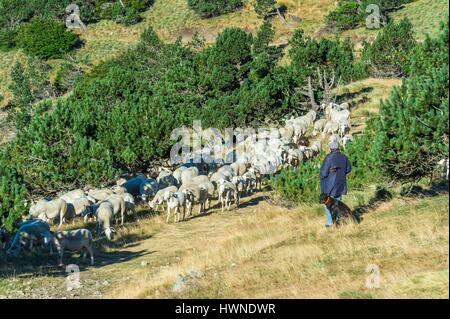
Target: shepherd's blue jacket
(334, 183)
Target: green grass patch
(425, 16)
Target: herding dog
(340, 212)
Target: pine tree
(346, 16)
(46, 38)
(264, 54)
(224, 65)
(12, 195)
(22, 96)
(413, 129)
(211, 8)
(29, 85)
(388, 54)
(264, 7)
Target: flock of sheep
(179, 190)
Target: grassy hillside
(305, 260)
(173, 18)
(7, 60)
(365, 96)
(242, 253)
(425, 16)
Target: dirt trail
(171, 242)
(147, 243)
(259, 250)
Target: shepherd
(333, 173)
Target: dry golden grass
(266, 251)
(425, 16)
(7, 61)
(263, 250)
(173, 18)
(365, 97)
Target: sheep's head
(152, 204)
(121, 181)
(109, 232)
(32, 209)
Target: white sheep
(105, 215)
(344, 127)
(130, 204)
(316, 147)
(216, 177)
(198, 194)
(176, 201)
(177, 173)
(238, 168)
(49, 210)
(331, 128)
(250, 182)
(295, 157)
(348, 138)
(188, 174)
(72, 196)
(300, 128)
(79, 207)
(340, 116)
(319, 126)
(118, 204)
(100, 194)
(74, 240)
(258, 177)
(161, 197)
(240, 184)
(287, 132)
(228, 193)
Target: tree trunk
(281, 16)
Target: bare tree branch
(309, 92)
(281, 16)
